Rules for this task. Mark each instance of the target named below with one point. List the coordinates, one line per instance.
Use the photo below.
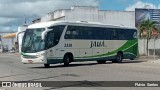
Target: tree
(147, 26)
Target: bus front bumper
(36, 60)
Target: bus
(65, 42)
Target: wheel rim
(67, 60)
(119, 58)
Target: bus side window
(98, 33)
(57, 31)
(125, 34)
(135, 34)
(72, 32)
(68, 34)
(50, 39)
(121, 34)
(109, 34)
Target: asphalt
(142, 69)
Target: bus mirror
(45, 33)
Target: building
(6, 44)
(90, 14)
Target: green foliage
(148, 26)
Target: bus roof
(95, 24)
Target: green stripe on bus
(129, 46)
(24, 54)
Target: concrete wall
(143, 45)
(83, 14)
(117, 18)
(92, 14)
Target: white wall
(82, 14)
(143, 45)
(92, 14)
(117, 18)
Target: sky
(14, 12)
(128, 5)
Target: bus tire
(101, 61)
(46, 65)
(119, 57)
(131, 58)
(66, 60)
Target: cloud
(13, 12)
(8, 29)
(139, 4)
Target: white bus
(65, 42)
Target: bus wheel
(101, 61)
(66, 60)
(46, 65)
(119, 58)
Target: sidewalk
(150, 59)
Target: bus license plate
(30, 61)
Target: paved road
(11, 69)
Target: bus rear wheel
(66, 60)
(46, 65)
(119, 58)
(101, 61)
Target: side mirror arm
(45, 33)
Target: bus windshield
(32, 41)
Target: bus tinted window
(78, 32)
(54, 35)
(86, 33)
(99, 33)
(72, 32)
(125, 34)
(109, 34)
(82, 32)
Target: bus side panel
(112, 47)
(132, 51)
(128, 47)
(79, 48)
